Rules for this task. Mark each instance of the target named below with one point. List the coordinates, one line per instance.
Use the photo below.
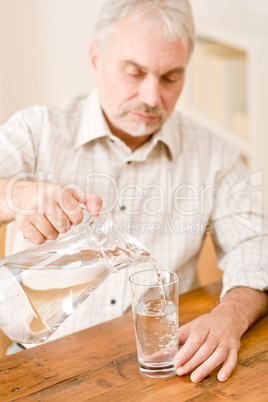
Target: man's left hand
(207, 342)
(214, 338)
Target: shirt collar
(170, 134)
(93, 125)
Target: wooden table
(100, 364)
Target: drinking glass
(155, 312)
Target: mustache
(142, 107)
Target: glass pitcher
(41, 286)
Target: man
(163, 178)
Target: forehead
(146, 45)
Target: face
(139, 76)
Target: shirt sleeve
(19, 138)
(240, 228)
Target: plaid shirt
(165, 194)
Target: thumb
(92, 202)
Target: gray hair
(173, 17)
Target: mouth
(145, 117)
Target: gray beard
(139, 131)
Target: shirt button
(122, 208)
(113, 301)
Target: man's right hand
(44, 210)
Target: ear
(94, 59)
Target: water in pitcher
(35, 302)
(35, 298)
(40, 287)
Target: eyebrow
(133, 63)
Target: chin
(140, 129)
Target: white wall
(207, 6)
(44, 51)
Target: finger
(228, 365)
(183, 334)
(93, 202)
(59, 220)
(31, 233)
(45, 227)
(198, 358)
(210, 364)
(70, 206)
(196, 338)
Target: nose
(150, 92)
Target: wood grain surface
(100, 364)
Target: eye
(134, 72)
(172, 78)
(169, 80)
(136, 75)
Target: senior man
(164, 178)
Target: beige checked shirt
(166, 194)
